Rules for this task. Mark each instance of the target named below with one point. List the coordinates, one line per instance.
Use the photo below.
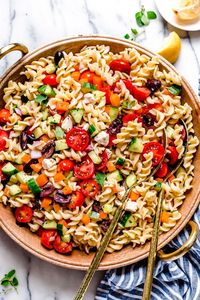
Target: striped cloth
(177, 280)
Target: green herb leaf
(175, 89)
(138, 18)
(145, 20)
(89, 86)
(134, 31)
(127, 36)
(14, 282)
(41, 99)
(151, 15)
(100, 178)
(5, 282)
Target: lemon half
(171, 48)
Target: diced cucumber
(98, 94)
(77, 114)
(54, 119)
(46, 90)
(13, 179)
(59, 133)
(14, 190)
(45, 115)
(18, 160)
(38, 132)
(23, 177)
(128, 105)
(113, 112)
(51, 68)
(128, 220)
(91, 130)
(61, 145)
(175, 89)
(114, 176)
(158, 186)
(130, 180)
(120, 161)
(66, 238)
(34, 187)
(94, 215)
(41, 99)
(107, 208)
(94, 157)
(61, 229)
(136, 145)
(50, 225)
(9, 169)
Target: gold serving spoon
(108, 235)
(154, 239)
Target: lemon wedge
(187, 10)
(171, 48)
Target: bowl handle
(184, 248)
(13, 47)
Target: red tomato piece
(2, 144)
(89, 188)
(112, 137)
(85, 169)
(141, 93)
(40, 231)
(2, 176)
(129, 85)
(4, 115)
(4, 133)
(66, 164)
(97, 81)
(50, 79)
(120, 65)
(157, 149)
(129, 117)
(103, 163)
(48, 238)
(77, 200)
(62, 247)
(157, 106)
(24, 214)
(77, 138)
(162, 171)
(172, 155)
(107, 91)
(88, 76)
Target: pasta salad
(78, 132)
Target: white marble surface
(35, 23)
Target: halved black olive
(48, 149)
(58, 56)
(61, 198)
(47, 190)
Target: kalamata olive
(60, 197)
(58, 56)
(148, 119)
(105, 224)
(36, 204)
(47, 190)
(24, 99)
(153, 85)
(31, 138)
(116, 125)
(27, 167)
(23, 139)
(48, 149)
(96, 206)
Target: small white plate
(165, 9)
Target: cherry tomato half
(87, 76)
(103, 163)
(172, 155)
(77, 200)
(24, 214)
(66, 164)
(3, 134)
(62, 247)
(48, 238)
(162, 171)
(140, 93)
(4, 115)
(50, 79)
(129, 117)
(77, 138)
(85, 169)
(120, 65)
(157, 149)
(107, 91)
(2, 144)
(112, 137)
(89, 188)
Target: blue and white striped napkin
(177, 280)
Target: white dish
(165, 9)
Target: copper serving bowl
(78, 259)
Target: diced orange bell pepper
(24, 187)
(19, 167)
(40, 160)
(6, 191)
(107, 109)
(26, 158)
(114, 189)
(63, 222)
(76, 75)
(164, 217)
(56, 207)
(63, 106)
(133, 196)
(171, 177)
(59, 177)
(44, 138)
(159, 179)
(46, 202)
(97, 81)
(41, 180)
(85, 219)
(36, 167)
(111, 167)
(102, 215)
(67, 190)
(115, 99)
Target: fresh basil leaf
(100, 178)
(151, 15)
(14, 282)
(127, 36)
(5, 282)
(175, 89)
(145, 20)
(134, 31)
(11, 273)
(41, 99)
(138, 18)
